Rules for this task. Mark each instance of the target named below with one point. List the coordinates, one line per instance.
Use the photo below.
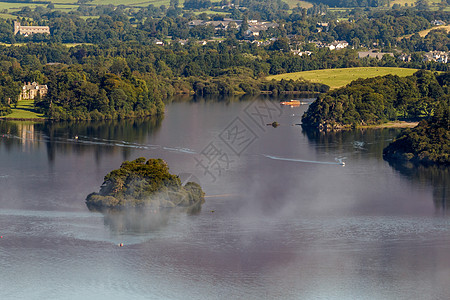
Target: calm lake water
(283, 218)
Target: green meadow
(24, 110)
(141, 3)
(336, 78)
(294, 3)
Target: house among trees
(218, 25)
(438, 23)
(437, 56)
(28, 30)
(32, 90)
(405, 57)
(374, 54)
(336, 45)
(254, 26)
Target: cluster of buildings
(336, 45)
(374, 53)
(437, 56)
(301, 53)
(28, 30)
(254, 26)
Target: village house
(254, 26)
(438, 23)
(218, 25)
(405, 57)
(438, 56)
(28, 30)
(32, 90)
(321, 26)
(301, 53)
(336, 45)
(374, 54)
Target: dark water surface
(284, 219)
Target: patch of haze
(160, 216)
(128, 227)
(44, 214)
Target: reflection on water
(135, 221)
(436, 176)
(72, 136)
(368, 141)
(141, 221)
(309, 97)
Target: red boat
(292, 103)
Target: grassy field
(303, 4)
(423, 33)
(13, 7)
(16, 6)
(142, 3)
(412, 2)
(402, 2)
(211, 12)
(24, 110)
(71, 45)
(7, 16)
(336, 78)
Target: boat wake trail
(125, 144)
(339, 162)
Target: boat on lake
(293, 103)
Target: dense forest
(427, 143)
(376, 100)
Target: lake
(289, 214)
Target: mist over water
(283, 218)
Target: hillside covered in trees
(376, 100)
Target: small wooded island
(427, 143)
(147, 184)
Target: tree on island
(148, 184)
